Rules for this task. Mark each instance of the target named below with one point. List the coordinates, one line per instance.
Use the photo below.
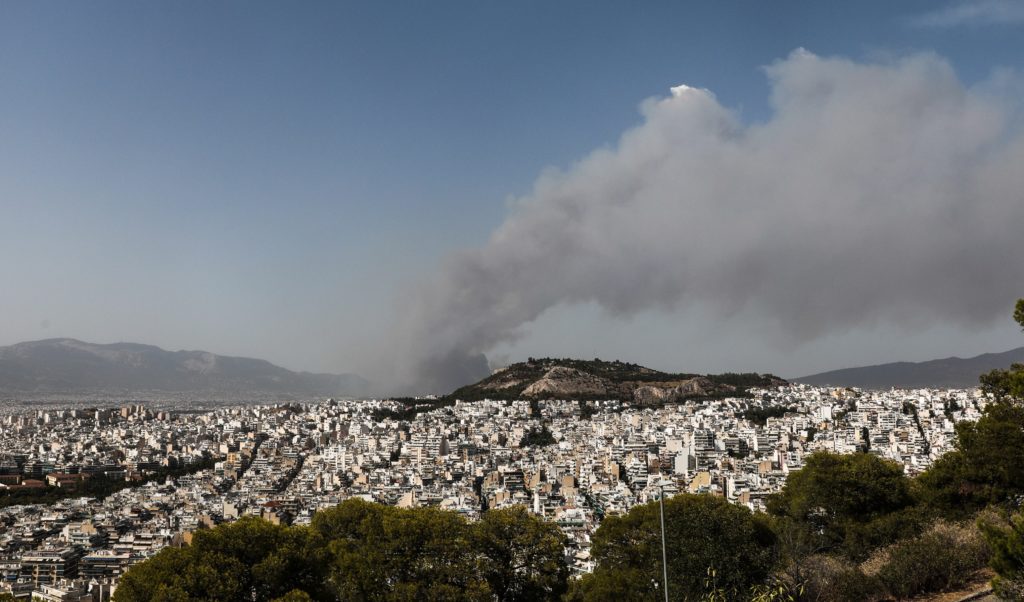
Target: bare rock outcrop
(659, 393)
(562, 382)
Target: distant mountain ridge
(70, 366)
(951, 373)
(595, 379)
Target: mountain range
(71, 367)
(56, 367)
(951, 372)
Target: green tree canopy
(1007, 385)
(986, 465)
(703, 533)
(521, 556)
(387, 553)
(849, 503)
(362, 551)
(249, 559)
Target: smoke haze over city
(875, 193)
(421, 195)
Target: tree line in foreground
(844, 528)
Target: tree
(1007, 385)
(249, 559)
(538, 438)
(847, 503)
(357, 570)
(172, 575)
(386, 553)
(433, 557)
(521, 556)
(986, 465)
(703, 533)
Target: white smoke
(875, 193)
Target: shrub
(945, 556)
(835, 579)
(1005, 536)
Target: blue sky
(266, 179)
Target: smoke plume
(875, 193)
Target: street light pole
(664, 555)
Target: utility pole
(664, 555)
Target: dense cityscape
(278, 279)
(570, 462)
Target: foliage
(538, 438)
(834, 579)
(587, 410)
(510, 383)
(1007, 385)
(409, 407)
(845, 503)
(761, 415)
(249, 559)
(1006, 540)
(985, 467)
(296, 595)
(773, 590)
(362, 551)
(520, 555)
(703, 533)
(745, 380)
(945, 556)
(386, 553)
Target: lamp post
(664, 555)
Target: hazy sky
(332, 186)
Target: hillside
(595, 379)
(69, 366)
(951, 372)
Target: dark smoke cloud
(876, 193)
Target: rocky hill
(595, 379)
(72, 367)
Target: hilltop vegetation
(589, 380)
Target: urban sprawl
(284, 462)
